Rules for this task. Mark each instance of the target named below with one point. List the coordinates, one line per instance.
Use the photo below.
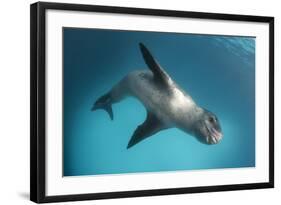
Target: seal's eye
(211, 119)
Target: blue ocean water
(217, 71)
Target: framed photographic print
(129, 102)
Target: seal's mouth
(213, 136)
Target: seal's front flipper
(104, 102)
(150, 126)
(159, 74)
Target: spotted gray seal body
(166, 103)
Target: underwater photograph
(140, 102)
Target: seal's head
(207, 128)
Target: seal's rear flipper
(150, 126)
(104, 102)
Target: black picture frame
(38, 101)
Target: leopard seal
(167, 105)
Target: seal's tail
(104, 102)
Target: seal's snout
(212, 130)
(214, 136)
